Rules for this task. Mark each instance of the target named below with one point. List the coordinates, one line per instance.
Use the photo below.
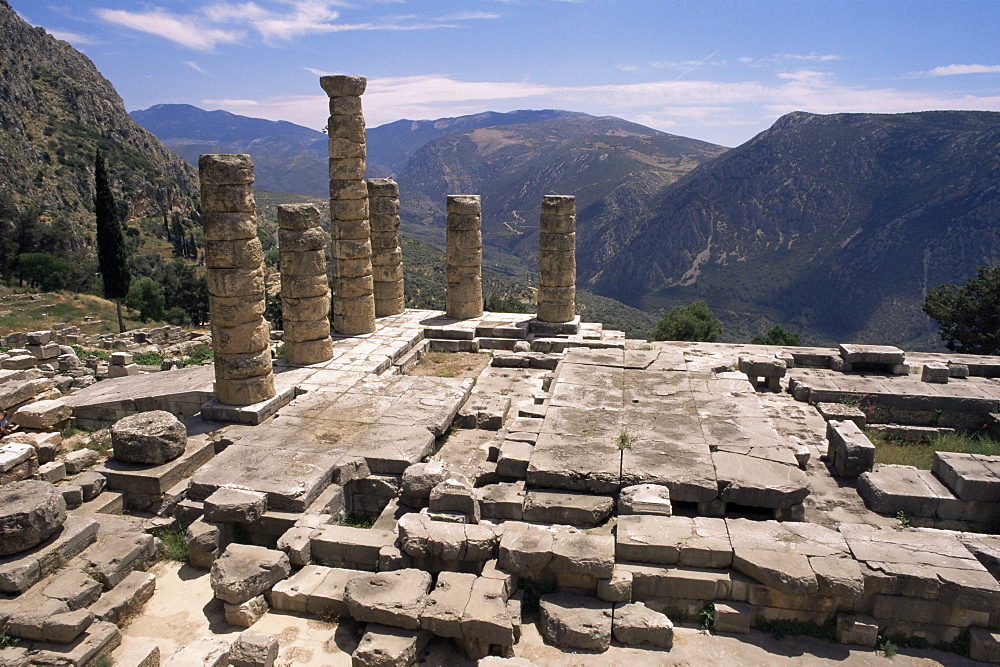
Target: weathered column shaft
(557, 259)
(236, 299)
(387, 257)
(464, 274)
(305, 292)
(353, 298)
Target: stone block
(645, 499)
(52, 472)
(525, 548)
(502, 501)
(91, 484)
(513, 460)
(789, 573)
(971, 477)
(984, 645)
(143, 656)
(386, 646)
(227, 505)
(203, 652)
(935, 372)
(635, 624)
(389, 598)
(849, 449)
(253, 649)
(73, 587)
(79, 460)
(343, 546)
(153, 437)
(733, 617)
(455, 495)
(42, 415)
(244, 572)
(574, 509)
(583, 553)
(617, 588)
(445, 607)
(245, 613)
(575, 622)
(126, 599)
(857, 630)
(485, 617)
(30, 512)
(117, 555)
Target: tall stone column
(557, 259)
(464, 238)
(240, 335)
(353, 298)
(387, 257)
(305, 292)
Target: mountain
(287, 157)
(55, 110)
(835, 226)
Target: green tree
(777, 336)
(969, 315)
(693, 322)
(146, 296)
(44, 271)
(110, 240)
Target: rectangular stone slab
(156, 479)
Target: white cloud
(193, 65)
(183, 30)
(72, 37)
(951, 70)
(469, 16)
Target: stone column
(557, 259)
(387, 258)
(305, 292)
(464, 289)
(353, 298)
(233, 255)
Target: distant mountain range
(833, 226)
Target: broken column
(305, 291)
(387, 258)
(556, 300)
(353, 298)
(233, 255)
(464, 293)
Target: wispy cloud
(73, 37)
(469, 16)
(780, 58)
(193, 65)
(952, 70)
(182, 30)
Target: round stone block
(557, 224)
(352, 250)
(253, 336)
(557, 242)
(464, 205)
(344, 189)
(231, 198)
(347, 168)
(301, 240)
(350, 230)
(347, 209)
(309, 352)
(298, 287)
(223, 226)
(306, 330)
(225, 169)
(354, 326)
(347, 126)
(383, 242)
(352, 288)
(246, 391)
(152, 437)
(362, 307)
(348, 104)
(387, 273)
(389, 258)
(352, 268)
(463, 274)
(556, 311)
(463, 245)
(383, 187)
(235, 282)
(463, 223)
(30, 512)
(342, 85)
(463, 309)
(385, 307)
(231, 311)
(310, 263)
(383, 205)
(239, 254)
(558, 205)
(564, 294)
(308, 308)
(239, 366)
(339, 148)
(298, 216)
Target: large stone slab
(344, 546)
(973, 477)
(894, 488)
(422, 537)
(694, 542)
(442, 615)
(677, 459)
(575, 622)
(756, 482)
(389, 598)
(244, 572)
(576, 450)
(635, 625)
(387, 646)
(574, 509)
(31, 511)
(152, 437)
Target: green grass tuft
(782, 627)
(175, 545)
(921, 454)
(357, 520)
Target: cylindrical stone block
(464, 252)
(235, 277)
(556, 296)
(353, 300)
(387, 267)
(305, 299)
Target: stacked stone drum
(305, 291)
(353, 298)
(387, 258)
(233, 255)
(464, 239)
(557, 259)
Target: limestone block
(348, 168)
(143, 656)
(250, 337)
(617, 588)
(850, 450)
(236, 282)
(79, 460)
(550, 311)
(244, 572)
(557, 224)
(148, 437)
(91, 484)
(38, 337)
(308, 264)
(127, 598)
(301, 240)
(229, 227)
(253, 649)
(204, 652)
(234, 254)
(350, 218)
(569, 508)
(971, 477)
(229, 198)
(485, 617)
(385, 646)
(42, 415)
(842, 412)
(839, 577)
(582, 553)
(305, 286)
(231, 311)
(984, 645)
(445, 607)
(418, 480)
(455, 495)
(789, 573)
(30, 512)
(18, 362)
(635, 625)
(387, 273)
(74, 587)
(223, 169)
(346, 104)
(857, 629)
(303, 353)
(72, 494)
(246, 613)
(120, 359)
(353, 288)
(346, 190)
(52, 472)
(245, 391)
(525, 548)
(502, 501)
(389, 598)
(122, 371)
(227, 505)
(935, 372)
(645, 499)
(351, 268)
(572, 621)
(394, 304)
(340, 148)
(733, 617)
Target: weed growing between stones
(357, 520)
(104, 661)
(676, 615)
(100, 442)
(175, 545)
(625, 441)
(827, 630)
(6, 640)
(961, 644)
(886, 647)
(904, 521)
(546, 383)
(707, 615)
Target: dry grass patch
(452, 364)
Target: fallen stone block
(419, 479)
(52, 472)
(245, 614)
(849, 450)
(455, 495)
(857, 630)
(984, 645)
(99, 639)
(503, 501)
(757, 482)
(935, 372)
(327, 599)
(344, 546)
(152, 437)
(203, 652)
(635, 624)
(525, 548)
(842, 412)
(420, 536)
(244, 572)
(72, 494)
(617, 588)
(205, 542)
(114, 557)
(442, 614)
(292, 594)
(31, 511)
(645, 499)
(253, 649)
(567, 508)
(92, 484)
(486, 618)
(144, 656)
(386, 646)
(73, 587)
(42, 415)
(79, 460)
(18, 461)
(733, 617)
(513, 459)
(389, 598)
(227, 505)
(575, 622)
(787, 572)
(126, 599)
(583, 553)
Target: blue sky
(715, 70)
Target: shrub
(694, 322)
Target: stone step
(125, 599)
(567, 508)
(100, 638)
(410, 359)
(21, 571)
(116, 555)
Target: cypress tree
(110, 240)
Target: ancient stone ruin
(583, 497)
